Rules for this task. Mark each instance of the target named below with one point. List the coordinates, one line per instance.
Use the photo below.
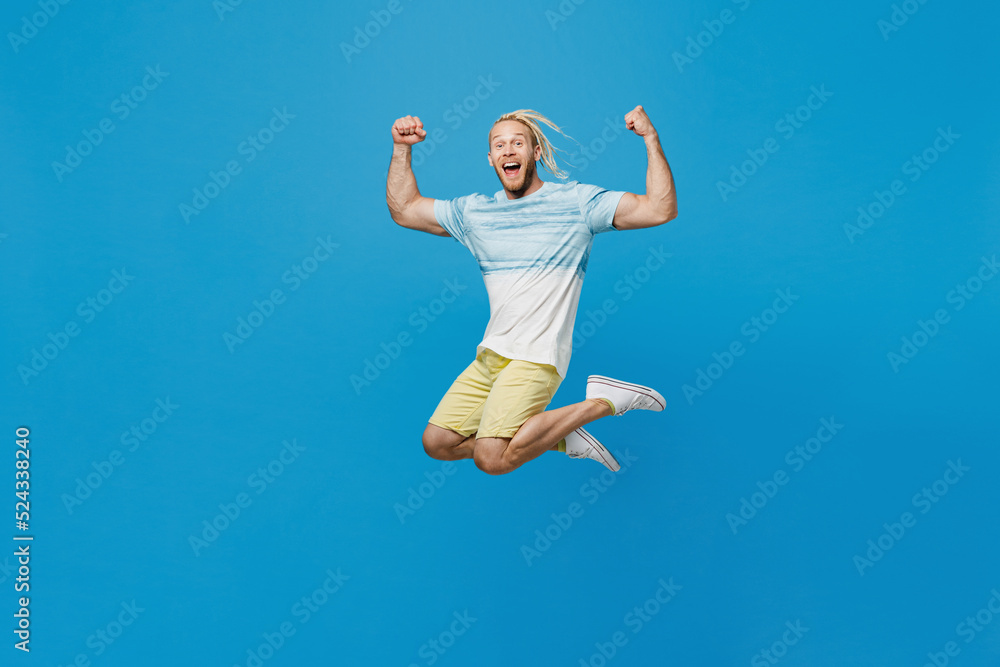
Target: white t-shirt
(533, 253)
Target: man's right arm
(406, 206)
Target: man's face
(512, 155)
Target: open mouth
(511, 169)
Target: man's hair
(531, 119)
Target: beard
(521, 182)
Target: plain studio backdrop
(225, 352)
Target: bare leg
(537, 435)
(446, 445)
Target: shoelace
(639, 402)
(585, 454)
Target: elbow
(670, 210)
(398, 216)
(397, 209)
(664, 210)
(666, 215)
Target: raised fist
(408, 130)
(637, 121)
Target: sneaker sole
(638, 388)
(607, 459)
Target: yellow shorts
(495, 395)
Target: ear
(538, 152)
(489, 159)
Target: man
(532, 241)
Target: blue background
(336, 504)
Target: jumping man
(532, 241)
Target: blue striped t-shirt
(533, 253)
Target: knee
(491, 465)
(433, 447)
(438, 445)
(491, 460)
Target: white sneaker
(582, 445)
(624, 395)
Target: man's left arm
(659, 204)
